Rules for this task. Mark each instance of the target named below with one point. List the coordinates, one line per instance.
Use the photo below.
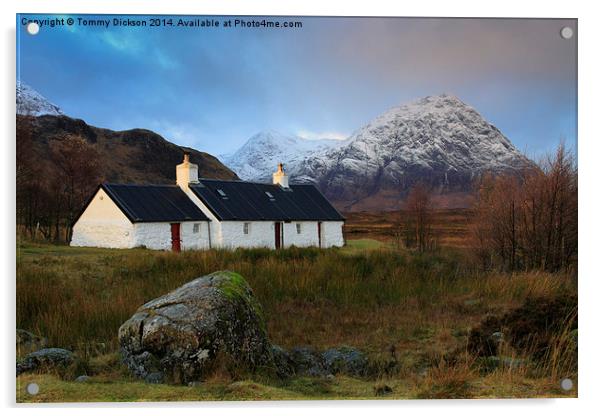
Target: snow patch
(32, 103)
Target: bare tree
(529, 222)
(78, 175)
(418, 213)
(31, 189)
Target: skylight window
(269, 195)
(221, 192)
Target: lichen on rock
(345, 360)
(181, 334)
(44, 359)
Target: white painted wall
(307, 238)
(194, 241)
(261, 234)
(332, 234)
(103, 224)
(157, 235)
(153, 235)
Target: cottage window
(245, 228)
(196, 228)
(298, 228)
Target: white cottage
(204, 213)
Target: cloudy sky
(213, 88)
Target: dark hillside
(137, 155)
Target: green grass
(365, 295)
(53, 389)
(498, 385)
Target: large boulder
(182, 336)
(45, 359)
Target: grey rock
(181, 333)
(308, 362)
(154, 378)
(345, 360)
(284, 364)
(82, 379)
(44, 359)
(27, 342)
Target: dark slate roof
(154, 203)
(238, 200)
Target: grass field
(367, 295)
(451, 227)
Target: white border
(590, 153)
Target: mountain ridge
(259, 156)
(438, 140)
(128, 156)
(132, 156)
(32, 103)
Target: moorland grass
(416, 307)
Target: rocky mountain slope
(438, 140)
(257, 159)
(32, 103)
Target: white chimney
(279, 177)
(186, 172)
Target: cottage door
(175, 237)
(277, 234)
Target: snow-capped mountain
(258, 158)
(32, 103)
(438, 140)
